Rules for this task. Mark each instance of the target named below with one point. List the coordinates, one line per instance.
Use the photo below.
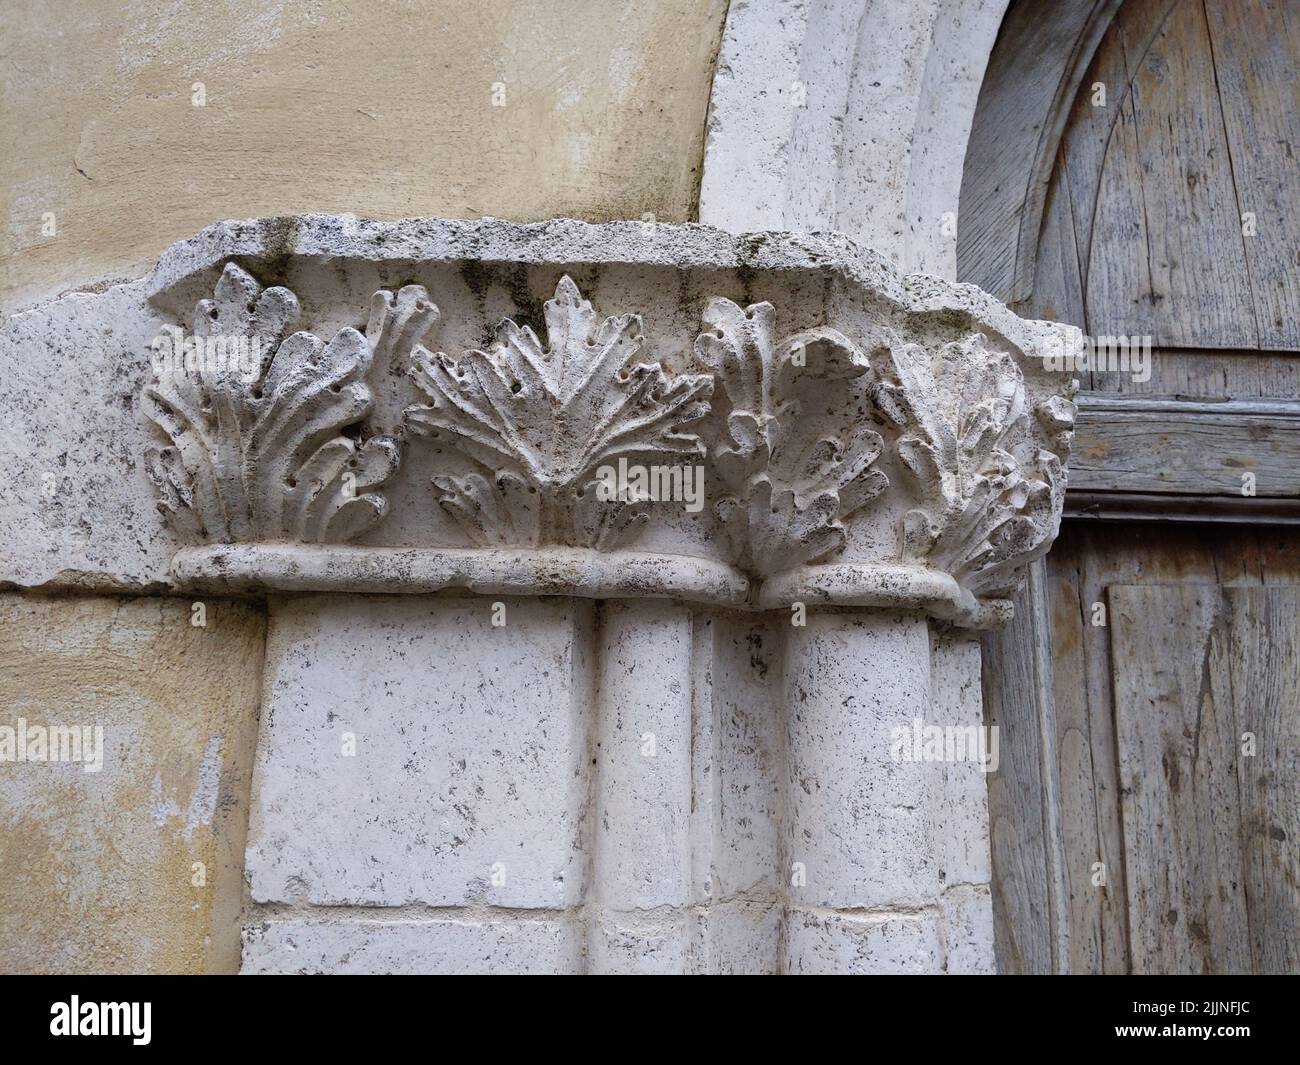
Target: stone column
(621, 581)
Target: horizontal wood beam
(1165, 458)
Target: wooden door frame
(1136, 458)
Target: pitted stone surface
(412, 752)
(828, 943)
(414, 947)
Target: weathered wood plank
(1092, 559)
(1167, 206)
(1086, 560)
(1178, 768)
(1030, 926)
(1139, 553)
(1256, 56)
(1119, 283)
(1111, 507)
(1025, 99)
(1070, 620)
(1264, 676)
(1140, 447)
(1057, 275)
(1085, 141)
(1201, 373)
(1279, 556)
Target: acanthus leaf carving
(791, 474)
(812, 454)
(539, 420)
(258, 445)
(991, 495)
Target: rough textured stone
(739, 742)
(957, 701)
(822, 943)
(741, 938)
(634, 763)
(84, 514)
(675, 755)
(898, 426)
(413, 947)
(468, 781)
(968, 930)
(814, 126)
(860, 824)
(642, 846)
(648, 945)
(676, 750)
(98, 869)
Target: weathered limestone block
(79, 513)
(963, 853)
(642, 846)
(134, 866)
(618, 578)
(406, 760)
(968, 929)
(527, 946)
(831, 943)
(859, 825)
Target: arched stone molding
(855, 116)
(848, 115)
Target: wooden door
(1150, 686)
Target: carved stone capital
(630, 409)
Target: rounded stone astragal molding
(619, 410)
(897, 587)
(581, 572)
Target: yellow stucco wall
(98, 869)
(378, 108)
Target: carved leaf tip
(794, 464)
(256, 422)
(546, 417)
(397, 325)
(990, 488)
(276, 448)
